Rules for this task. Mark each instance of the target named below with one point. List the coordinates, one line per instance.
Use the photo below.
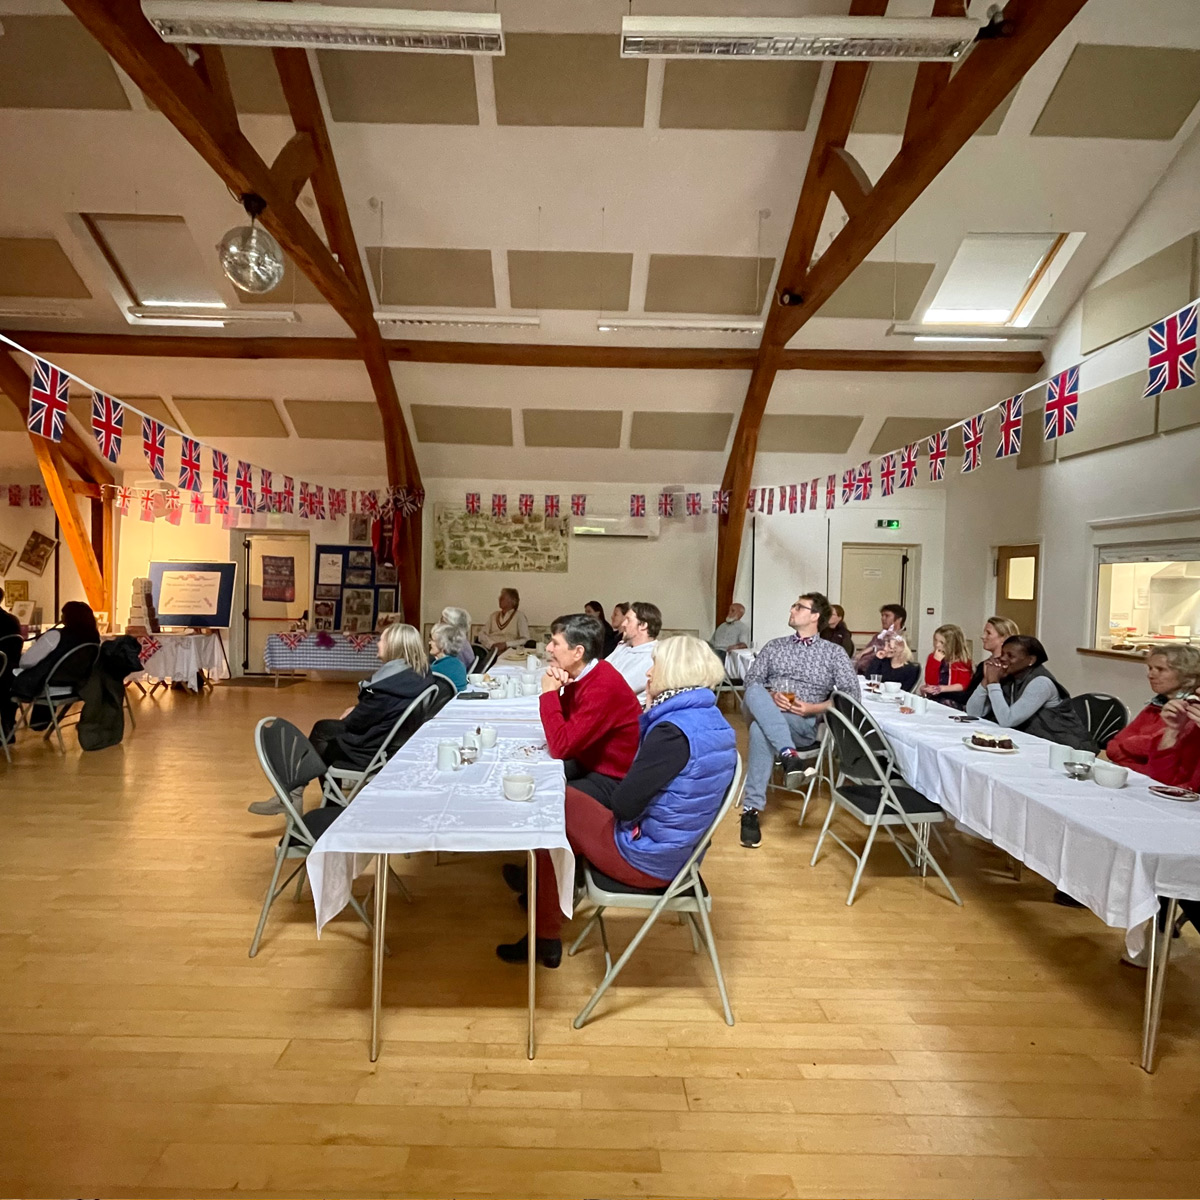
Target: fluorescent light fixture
(456, 320)
(955, 337)
(205, 314)
(966, 316)
(705, 325)
(49, 312)
(182, 304)
(323, 26)
(966, 333)
(867, 39)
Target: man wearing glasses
(787, 688)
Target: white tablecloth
(1117, 851)
(411, 807)
(738, 662)
(181, 656)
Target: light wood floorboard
(901, 1047)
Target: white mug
(470, 741)
(529, 689)
(487, 736)
(1059, 756)
(919, 704)
(449, 756)
(533, 663)
(518, 786)
(529, 677)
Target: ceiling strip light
(157, 313)
(321, 26)
(868, 39)
(456, 320)
(704, 325)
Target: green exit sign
(887, 524)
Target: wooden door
(1018, 580)
(872, 576)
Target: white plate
(987, 749)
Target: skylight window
(1000, 279)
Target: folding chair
(290, 762)
(481, 657)
(868, 786)
(490, 661)
(686, 893)
(1104, 716)
(4, 737)
(61, 688)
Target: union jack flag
(473, 503)
(124, 498)
(174, 500)
(1062, 404)
(770, 494)
(305, 500)
(1172, 352)
(939, 445)
(972, 429)
(369, 503)
(14, 495)
(147, 505)
(201, 513)
(862, 482)
(286, 498)
(887, 474)
(908, 465)
(1011, 415)
(637, 506)
(243, 486)
(762, 499)
(751, 499)
(316, 500)
(48, 400)
(154, 445)
(197, 503)
(149, 647)
(666, 504)
(578, 504)
(525, 504)
(108, 424)
(720, 503)
(37, 497)
(266, 491)
(189, 465)
(418, 495)
(499, 504)
(848, 479)
(830, 491)
(404, 501)
(793, 497)
(551, 506)
(693, 504)
(804, 497)
(220, 468)
(337, 502)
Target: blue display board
(197, 594)
(351, 591)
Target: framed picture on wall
(16, 589)
(24, 611)
(387, 600)
(37, 552)
(385, 573)
(360, 559)
(360, 530)
(7, 554)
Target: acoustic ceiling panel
(335, 420)
(155, 257)
(152, 406)
(53, 62)
(707, 283)
(579, 428)
(737, 95)
(885, 99)
(897, 432)
(1144, 92)
(219, 418)
(568, 79)
(680, 431)
(400, 89)
(461, 424)
(38, 268)
(880, 290)
(413, 275)
(815, 433)
(569, 279)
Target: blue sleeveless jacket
(661, 839)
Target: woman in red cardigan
(1176, 758)
(1173, 670)
(948, 668)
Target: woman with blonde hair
(948, 668)
(648, 824)
(996, 631)
(893, 663)
(1174, 673)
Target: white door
(872, 576)
(279, 588)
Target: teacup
(529, 677)
(470, 741)
(529, 689)
(518, 786)
(891, 688)
(475, 680)
(449, 756)
(1109, 775)
(487, 736)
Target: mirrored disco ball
(251, 258)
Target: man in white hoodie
(632, 658)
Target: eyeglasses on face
(803, 607)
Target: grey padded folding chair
(868, 786)
(687, 893)
(289, 761)
(61, 688)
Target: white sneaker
(266, 808)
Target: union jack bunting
(666, 504)
(124, 499)
(473, 503)
(693, 504)
(525, 504)
(418, 495)
(189, 465)
(404, 501)
(317, 502)
(147, 505)
(637, 506)
(37, 496)
(813, 490)
(293, 641)
(908, 465)
(266, 490)
(762, 499)
(358, 642)
(972, 429)
(1172, 352)
(369, 503)
(499, 504)
(862, 482)
(48, 400)
(830, 491)
(148, 648)
(578, 504)
(154, 445)
(720, 502)
(848, 478)
(939, 445)
(337, 502)
(804, 497)
(201, 513)
(220, 472)
(770, 499)
(243, 486)
(793, 497)
(306, 500)
(751, 499)
(1062, 403)
(197, 503)
(1011, 415)
(783, 495)
(174, 500)
(285, 498)
(14, 495)
(551, 506)
(108, 424)
(887, 474)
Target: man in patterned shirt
(787, 688)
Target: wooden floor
(902, 1047)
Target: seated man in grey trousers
(787, 688)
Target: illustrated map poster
(466, 541)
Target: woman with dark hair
(594, 608)
(836, 630)
(77, 627)
(1019, 693)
